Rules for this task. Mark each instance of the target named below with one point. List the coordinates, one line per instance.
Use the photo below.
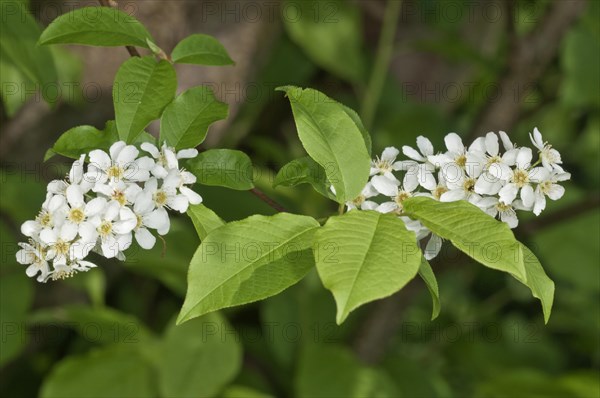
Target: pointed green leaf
(332, 139)
(83, 139)
(143, 88)
(185, 121)
(472, 231)
(364, 256)
(361, 127)
(204, 219)
(542, 287)
(304, 171)
(426, 273)
(113, 371)
(199, 358)
(96, 26)
(201, 50)
(246, 261)
(223, 167)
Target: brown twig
(263, 196)
(529, 57)
(113, 4)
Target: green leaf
(143, 88)
(199, 358)
(333, 371)
(246, 261)
(362, 256)
(224, 168)
(101, 325)
(302, 171)
(361, 127)
(19, 33)
(185, 121)
(332, 139)
(426, 273)
(542, 287)
(83, 139)
(205, 220)
(330, 33)
(472, 231)
(114, 371)
(201, 50)
(96, 26)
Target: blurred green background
(459, 65)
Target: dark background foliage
(458, 65)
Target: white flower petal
(508, 193)
(151, 149)
(527, 195)
(425, 146)
(434, 245)
(390, 154)
(187, 153)
(454, 143)
(412, 153)
(100, 159)
(556, 192)
(192, 196)
(524, 158)
(75, 196)
(115, 149)
(385, 186)
(144, 238)
(453, 195)
(387, 207)
(491, 144)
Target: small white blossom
(549, 156)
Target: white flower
(550, 157)
(419, 170)
(74, 178)
(496, 168)
(58, 241)
(521, 178)
(457, 152)
(33, 254)
(54, 210)
(121, 192)
(121, 165)
(384, 165)
(166, 158)
(549, 187)
(463, 186)
(113, 227)
(492, 206)
(394, 191)
(148, 217)
(361, 201)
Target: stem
(262, 196)
(341, 209)
(382, 61)
(113, 4)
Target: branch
(263, 196)
(529, 57)
(113, 4)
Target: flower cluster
(498, 183)
(103, 206)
